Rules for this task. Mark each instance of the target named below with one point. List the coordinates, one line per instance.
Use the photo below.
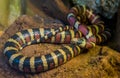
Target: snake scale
(78, 34)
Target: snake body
(82, 36)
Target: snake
(78, 35)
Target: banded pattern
(97, 25)
(65, 34)
(90, 32)
(38, 64)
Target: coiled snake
(78, 33)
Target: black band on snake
(78, 34)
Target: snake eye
(81, 40)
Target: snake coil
(78, 32)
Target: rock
(98, 62)
(117, 35)
(107, 8)
(54, 8)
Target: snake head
(79, 41)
